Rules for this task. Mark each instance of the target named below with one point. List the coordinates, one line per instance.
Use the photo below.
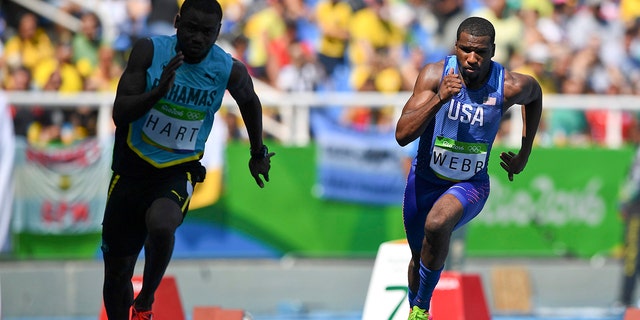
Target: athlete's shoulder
(141, 54)
(521, 88)
(163, 39)
(437, 69)
(517, 80)
(429, 76)
(435, 66)
(239, 74)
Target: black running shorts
(123, 226)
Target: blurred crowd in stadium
(570, 46)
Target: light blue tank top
(174, 131)
(457, 143)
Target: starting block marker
(457, 296)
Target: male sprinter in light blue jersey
(456, 108)
(163, 111)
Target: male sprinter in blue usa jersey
(455, 109)
(163, 111)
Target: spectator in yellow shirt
(29, 46)
(372, 31)
(70, 78)
(629, 11)
(261, 29)
(106, 75)
(333, 18)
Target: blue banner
(358, 166)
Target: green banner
(563, 204)
(286, 214)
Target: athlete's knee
(444, 215)
(119, 268)
(161, 232)
(116, 282)
(438, 223)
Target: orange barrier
(632, 314)
(216, 313)
(459, 296)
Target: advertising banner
(60, 190)
(565, 203)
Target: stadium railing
(292, 126)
